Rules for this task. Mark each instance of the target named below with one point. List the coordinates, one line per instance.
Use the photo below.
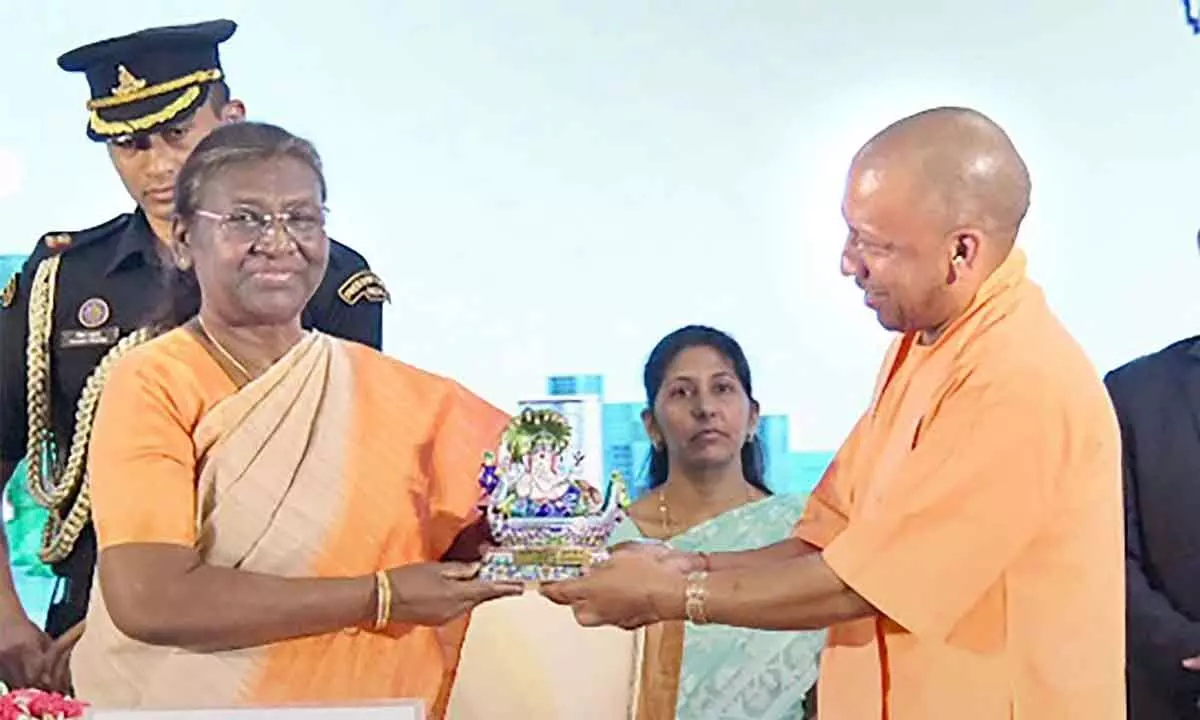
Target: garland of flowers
(34, 704)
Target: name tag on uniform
(88, 338)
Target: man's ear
(233, 111)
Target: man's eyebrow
(184, 124)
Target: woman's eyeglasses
(251, 227)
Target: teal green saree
(712, 672)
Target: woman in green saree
(707, 494)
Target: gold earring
(184, 264)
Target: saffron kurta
(977, 506)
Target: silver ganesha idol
(549, 523)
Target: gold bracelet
(696, 594)
(383, 599)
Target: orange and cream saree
(338, 461)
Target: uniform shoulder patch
(9, 293)
(363, 285)
(57, 242)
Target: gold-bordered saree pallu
(269, 458)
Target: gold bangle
(383, 599)
(695, 595)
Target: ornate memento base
(538, 564)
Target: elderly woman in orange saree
(277, 510)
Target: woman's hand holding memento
(436, 593)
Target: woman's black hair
(664, 353)
(226, 146)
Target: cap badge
(127, 82)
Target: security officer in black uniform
(154, 95)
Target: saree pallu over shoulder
(697, 672)
(268, 460)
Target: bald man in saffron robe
(965, 547)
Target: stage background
(548, 187)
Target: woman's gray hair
(236, 144)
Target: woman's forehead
(699, 361)
(272, 180)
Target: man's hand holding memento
(641, 584)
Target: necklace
(221, 349)
(664, 512)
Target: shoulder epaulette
(359, 283)
(363, 285)
(56, 243)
